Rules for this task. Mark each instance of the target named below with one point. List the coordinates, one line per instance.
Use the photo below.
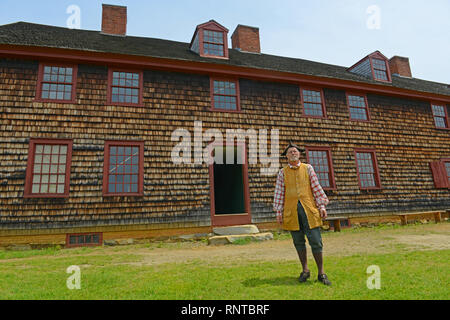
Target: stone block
(125, 241)
(220, 240)
(233, 230)
(110, 242)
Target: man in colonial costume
(299, 202)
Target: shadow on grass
(279, 281)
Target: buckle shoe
(304, 276)
(324, 279)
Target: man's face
(293, 154)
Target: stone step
(235, 230)
(227, 239)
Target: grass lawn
(120, 274)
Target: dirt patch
(425, 242)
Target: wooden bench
(336, 222)
(404, 216)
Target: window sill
(124, 104)
(314, 117)
(55, 101)
(214, 57)
(226, 110)
(360, 120)
(371, 189)
(45, 196)
(112, 195)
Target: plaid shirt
(319, 195)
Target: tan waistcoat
(298, 187)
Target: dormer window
(374, 66)
(379, 69)
(210, 40)
(213, 43)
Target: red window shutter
(439, 174)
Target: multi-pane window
(320, 159)
(374, 66)
(367, 169)
(440, 116)
(123, 172)
(85, 239)
(125, 87)
(48, 169)
(213, 43)
(210, 40)
(358, 107)
(379, 69)
(225, 95)
(56, 83)
(312, 103)
(447, 169)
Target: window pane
(52, 188)
(126, 159)
(38, 158)
(122, 87)
(45, 176)
(319, 160)
(44, 188)
(440, 122)
(225, 95)
(378, 64)
(366, 169)
(54, 80)
(438, 111)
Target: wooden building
(89, 124)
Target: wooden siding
(401, 131)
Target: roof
(37, 35)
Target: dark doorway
(229, 186)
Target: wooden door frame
(230, 219)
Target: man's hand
(280, 219)
(323, 213)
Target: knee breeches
(313, 235)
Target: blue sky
(329, 31)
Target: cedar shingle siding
(401, 131)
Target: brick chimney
(246, 38)
(400, 66)
(114, 19)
